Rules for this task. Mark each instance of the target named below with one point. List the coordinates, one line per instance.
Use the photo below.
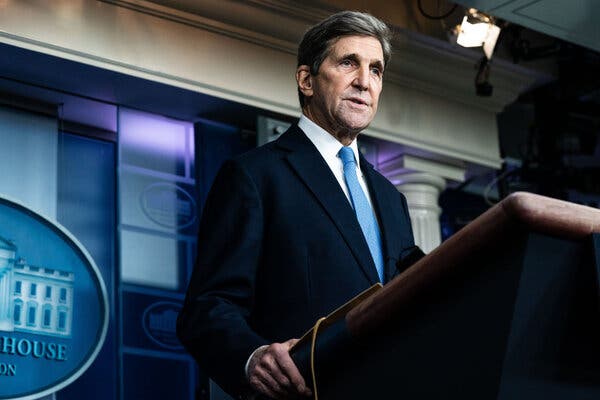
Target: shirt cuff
(250, 358)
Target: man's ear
(304, 80)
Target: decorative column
(422, 190)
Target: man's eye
(346, 63)
(376, 71)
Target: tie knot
(347, 155)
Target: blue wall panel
(147, 377)
(86, 207)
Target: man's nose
(362, 79)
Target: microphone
(408, 257)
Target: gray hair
(318, 40)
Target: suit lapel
(306, 161)
(384, 206)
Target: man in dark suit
(295, 228)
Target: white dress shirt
(329, 148)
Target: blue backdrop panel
(86, 207)
(151, 378)
(215, 143)
(149, 322)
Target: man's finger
(291, 371)
(270, 365)
(286, 364)
(263, 378)
(261, 387)
(270, 382)
(273, 369)
(265, 367)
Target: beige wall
(204, 55)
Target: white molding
(295, 8)
(397, 167)
(141, 72)
(419, 62)
(211, 25)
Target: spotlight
(478, 29)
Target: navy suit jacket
(279, 246)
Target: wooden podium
(507, 308)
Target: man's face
(342, 98)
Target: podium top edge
(551, 216)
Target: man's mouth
(357, 100)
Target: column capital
(422, 190)
(399, 168)
(424, 178)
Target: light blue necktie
(364, 212)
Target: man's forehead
(362, 46)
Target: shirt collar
(325, 142)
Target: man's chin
(357, 126)
(357, 121)
(350, 132)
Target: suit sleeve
(214, 322)
(410, 238)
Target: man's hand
(272, 372)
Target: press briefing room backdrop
(114, 119)
(99, 206)
(125, 202)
